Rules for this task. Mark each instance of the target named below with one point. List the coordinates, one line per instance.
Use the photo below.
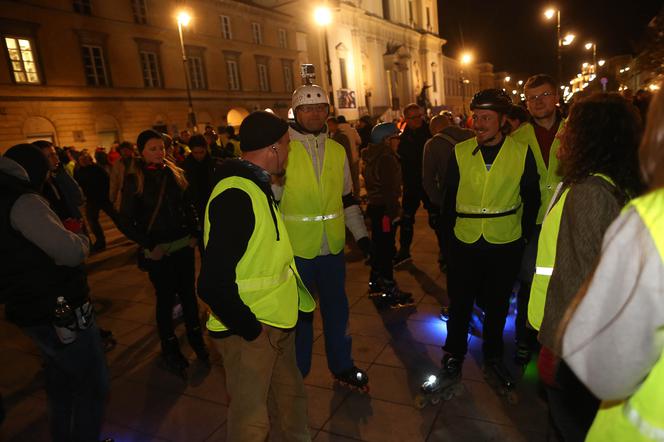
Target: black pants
(382, 244)
(571, 405)
(412, 196)
(174, 274)
(92, 209)
(485, 275)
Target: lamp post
(466, 59)
(593, 46)
(549, 13)
(323, 17)
(183, 20)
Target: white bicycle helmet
(309, 94)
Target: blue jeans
(326, 276)
(76, 382)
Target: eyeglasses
(537, 97)
(308, 108)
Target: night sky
(515, 37)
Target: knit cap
(261, 129)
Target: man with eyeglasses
(411, 149)
(317, 204)
(540, 133)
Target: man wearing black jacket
(410, 151)
(249, 280)
(490, 206)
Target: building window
(283, 38)
(95, 67)
(226, 31)
(140, 11)
(410, 12)
(287, 69)
(428, 18)
(150, 67)
(434, 80)
(196, 67)
(23, 61)
(233, 75)
(82, 7)
(256, 33)
(342, 72)
(386, 9)
(263, 76)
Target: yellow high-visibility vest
(488, 203)
(311, 206)
(548, 176)
(266, 276)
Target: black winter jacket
(176, 218)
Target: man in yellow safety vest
(249, 279)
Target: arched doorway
(235, 116)
(39, 128)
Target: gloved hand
(73, 225)
(365, 245)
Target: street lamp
(323, 17)
(593, 46)
(183, 20)
(466, 59)
(569, 38)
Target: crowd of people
(568, 207)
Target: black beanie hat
(146, 136)
(31, 158)
(261, 129)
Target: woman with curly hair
(599, 166)
(158, 215)
(613, 339)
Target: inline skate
(446, 385)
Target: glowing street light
(183, 19)
(322, 16)
(569, 38)
(601, 63)
(465, 59)
(520, 82)
(549, 14)
(507, 79)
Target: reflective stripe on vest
(488, 202)
(546, 258)
(266, 276)
(311, 205)
(645, 428)
(548, 175)
(304, 218)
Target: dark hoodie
(382, 178)
(232, 222)
(47, 260)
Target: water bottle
(64, 321)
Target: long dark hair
(602, 135)
(652, 146)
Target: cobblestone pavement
(397, 348)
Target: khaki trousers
(260, 373)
